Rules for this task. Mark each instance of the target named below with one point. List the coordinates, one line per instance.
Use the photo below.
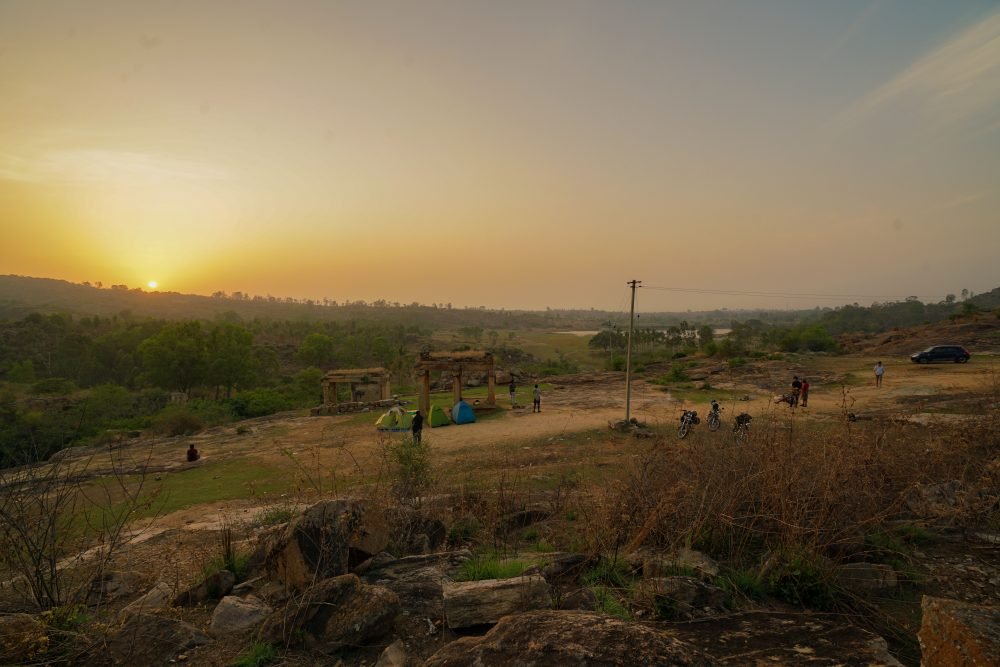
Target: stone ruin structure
(454, 363)
(369, 389)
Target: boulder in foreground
(959, 633)
(568, 639)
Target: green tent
(438, 417)
(395, 419)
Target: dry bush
(61, 522)
(797, 486)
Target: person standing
(536, 398)
(513, 392)
(879, 372)
(417, 426)
(796, 388)
(805, 392)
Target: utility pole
(628, 355)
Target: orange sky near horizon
(518, 155)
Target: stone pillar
(326, 393)
(456, 387)
(425, 394)
(385, 389)
(491, 387)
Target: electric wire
(779, 295)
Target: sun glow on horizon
(152, 284)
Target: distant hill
(21, 295)
(987, 300)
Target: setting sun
(152, 284)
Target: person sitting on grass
(193, 454)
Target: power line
(780, 295)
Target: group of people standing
(800, 387)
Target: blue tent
(462, 413)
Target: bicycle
(688, 419)
(715, 417)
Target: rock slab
(157, 598)
(214, 587)
(568, 639)
(867, 576)
(234, 614)
(335, 613)
(470, 603)
(145, 639)
(959, 633)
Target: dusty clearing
(286, 454)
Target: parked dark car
(955, 353)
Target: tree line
(64, 379)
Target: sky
(515, 154)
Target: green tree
(706, 335)
(175, 357)
(317, 350)
(230, 357)
(22, 371)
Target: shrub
(608, 603)
(742, 581)
(275, 515)
(607, 572)
(259, 654)
(260, 402)
(66, 618)
(53, 386)
(489, 567)
(411, 467)
(676, 374)
(816, 486)
(177, 420)
(804, 579)
(229, 557)
(151, 401)
(463, 530)
(544, 546)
